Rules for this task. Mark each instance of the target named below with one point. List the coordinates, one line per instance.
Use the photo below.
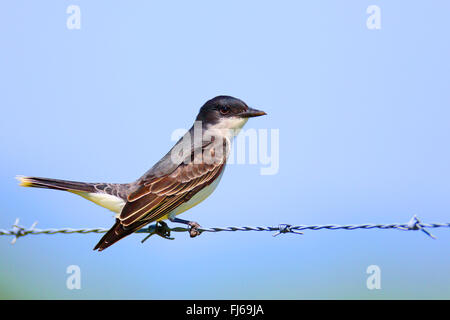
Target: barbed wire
(164, 231)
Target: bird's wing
(157, 196)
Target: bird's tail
(116, 233)
(56, 184)
(111, 196)
(89, 191)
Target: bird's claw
(193, 231)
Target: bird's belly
(195, 200)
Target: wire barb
(414, 224)
(19, 231)
(164, 231)
(285, 228)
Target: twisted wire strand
(414, 224)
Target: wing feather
(153, 200)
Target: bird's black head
(226, 107)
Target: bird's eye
(224, 110)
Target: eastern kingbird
(183, 178)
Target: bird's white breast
(226, 128)
(196, 199)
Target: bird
(183, 178)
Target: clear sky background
(364, 129)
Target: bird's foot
(161, 229)
(193, 231)
(194, 226)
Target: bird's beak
(250, 113)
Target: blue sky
(363, 121)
